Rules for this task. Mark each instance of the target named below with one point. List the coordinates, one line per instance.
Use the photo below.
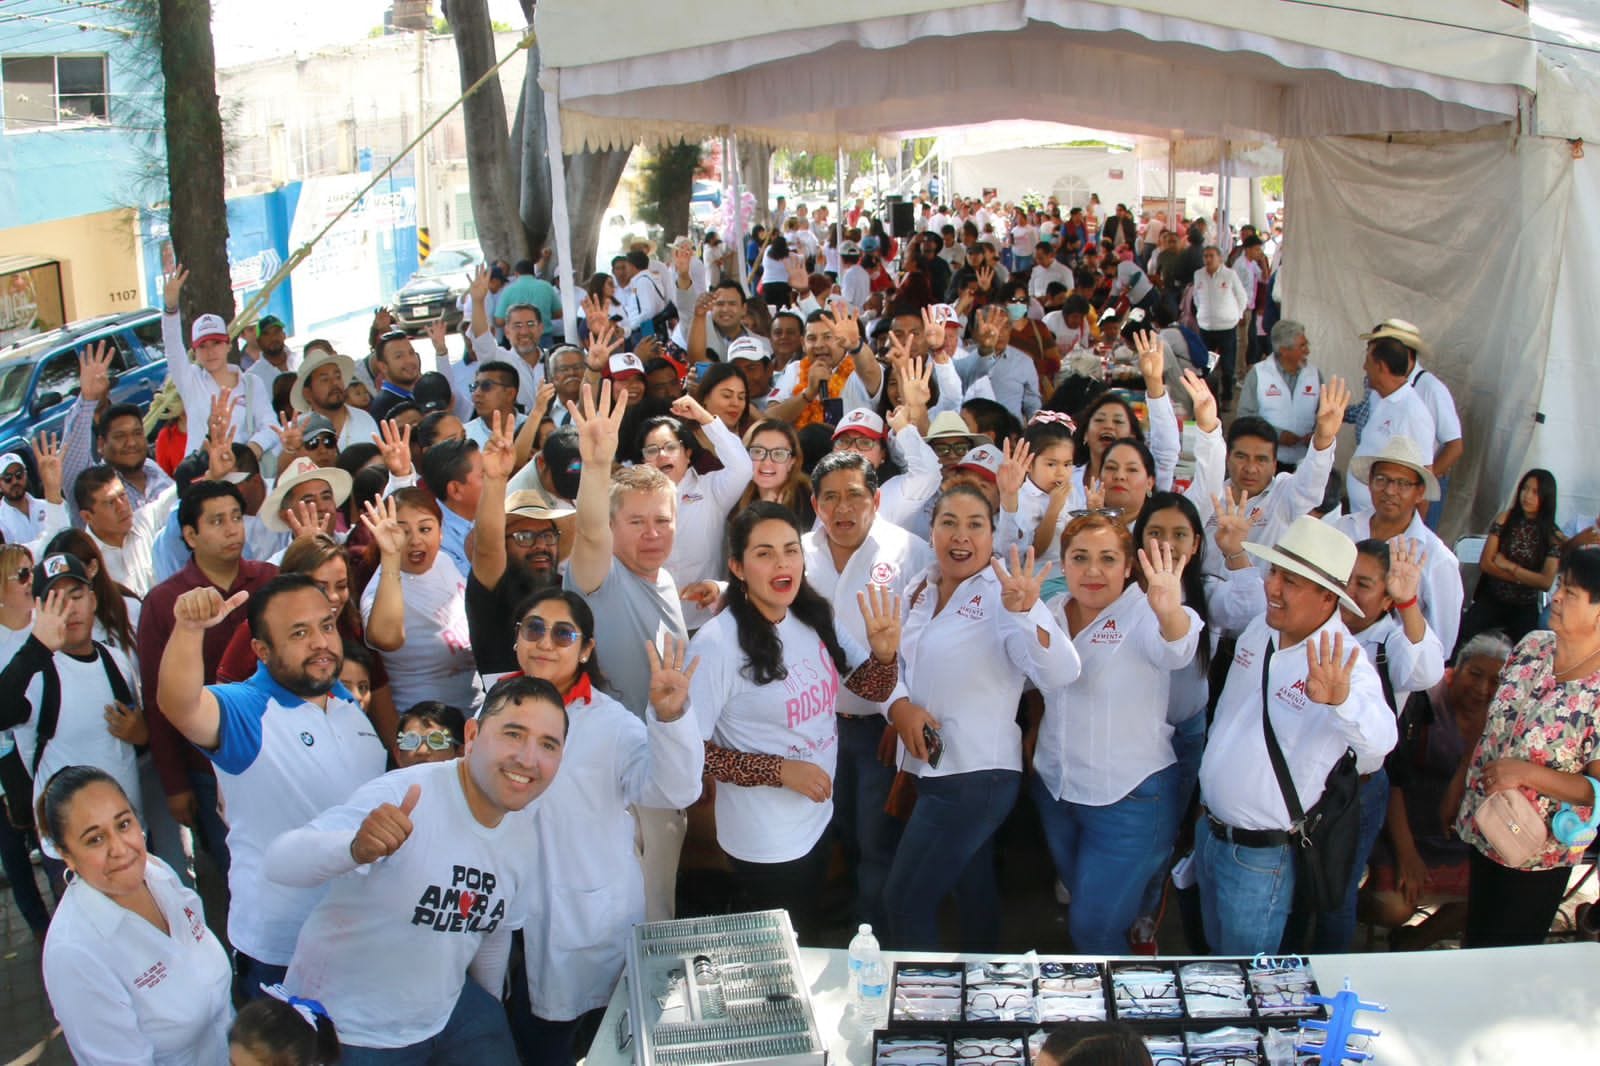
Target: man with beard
(517, 546)
(402, 367)
(22, 517)
(319, 388)
(524, 324)
(118, 434)
(274, 356)
(287, 744)
(211, 522)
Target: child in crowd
(430, 732)
(283, 1032)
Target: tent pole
(1220, 236)
(736, 238)
(550, 81)
(838, 190)
(1172, 186)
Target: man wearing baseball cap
(273, 354)
(23, 517)
(1300, 667)
(855, 284)
(753, 355)
(201, 381)
(902, 496)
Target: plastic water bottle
(863, 946)
(874, 982)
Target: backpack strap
(49, 713)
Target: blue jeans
(476, 1034)
(1188, 743)
(14, 848)
(250, 974)
(860, 789)
(948, 846)
(1245, 893)
(1107, 855)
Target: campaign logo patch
(1273, 390)
(973, 608)
(882, 573)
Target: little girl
(1034, 509)
(283, 1032)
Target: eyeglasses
(1379, 482)
(485, 384)
(987, 1049)
(650, 451)
(1104, 512)
(562, 634)
(777, 455)
(953, 449)
(23, 575)
(435, 739)
(854, 442)
(322, 440)
(528, 538)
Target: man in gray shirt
(618, 565)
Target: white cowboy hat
(312, 363)
(1399, 451)
(1400, 330)
(300, 471)
(1317, 552)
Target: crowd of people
(853, 541)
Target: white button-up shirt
(1273, 510)
(704, 501)
(1219, 299)
(1441, 591)
(1237, 784)
(1399, 414)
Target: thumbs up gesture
(385, 829)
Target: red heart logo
(466, 902)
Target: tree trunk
(490, 173)
(672, 184)
(755, 175)
(197, 204)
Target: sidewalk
(25, 1019)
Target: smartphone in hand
(935, 743)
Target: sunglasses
(527, 538)
(24, 574)
(485, 384)
(435, 739)
(562, 634)
(1104, 512)
(322, 440)
(18, 474)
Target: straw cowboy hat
(1398, 329)
(300, 471)
(1398, 451)
(314, 362)
(1317, 552)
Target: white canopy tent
(1423, 182)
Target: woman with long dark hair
(765, 692)
(1519, 562)
(116, 613)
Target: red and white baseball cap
(946, 314)
(862, 420)
(749, 349)
(208, 328)
(983, 460)
(624, 364)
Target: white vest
(1296, 413)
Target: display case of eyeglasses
(719, 991)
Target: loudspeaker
(903, 219)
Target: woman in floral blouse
(1541, 736)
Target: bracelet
(1406, 606)
(1236, 555)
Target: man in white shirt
(851, 548)
(855, 284)
(494, 390)
(715, 321)
(123, 536)
(319, 388)
(1322, 696)
(1395, 409)
(1400, 482)
(641, 297)
(1219, 303)
(1284, 390)
(1046, 268)
(275, 356)
(22, 516)
(688, 273)
(1447, 443)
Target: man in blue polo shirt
(287, 745)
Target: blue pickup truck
(39, 375)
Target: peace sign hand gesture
(1328, 670)
(1019, 586)
(880, 610)
(1406, 559)
(499, 451)
(1163, 579)
(932, 329)
(669, 681)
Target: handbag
(1327, 836)
(1513, 826)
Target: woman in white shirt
(974, 631)
(16, 621)
(201, 382)
(1105, 774)
(433, 658)
(704, 500)
(590, 886)
(765, 693)
(133, 974)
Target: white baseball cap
(208, 328)
(985, 459)
(9, 460)
(749, 349)
(623, 364)
(862, 420)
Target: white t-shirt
(125, 992)
(793, 718)
(1023, 238)
(1441, 405)
(1040, 277)
(436, 662)
(387, 948)
(704, 501)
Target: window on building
(43, 91)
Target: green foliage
(666, 178)
(1272, 186)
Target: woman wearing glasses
(704, 500)
(592, 888)
(777, 470)
(429, 732)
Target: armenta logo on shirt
(1273, 390)
(1108, 634)
(1244, 657)
(812, 692)
(467, 905)
(197, 927)
(1294, 695)
(973, 608)
(693, 497)
(882, 573)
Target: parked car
(435, 290)
(39, 376)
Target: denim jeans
(1189, 744)
(1245, 893)
(1107, 855)
(475, 1035)
(250, 974)
(948, 846)
(860, 789)
(14, 848)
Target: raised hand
(1331, 405)
(647, 349)
(303, 519)
(251, 335)
(1233, 523)
(500, 450)
(1205, 404)
(174, 287)
(1328, 670)
(916, 383)
(385, 829)
(604, 340)
(681, 257)
(94, 372)
(1406, 559)
(799, 279)
(990, 322)
(394, 444)
(880, 610)
(479, 289)
(932, 329)
(806, 778)
(1019, 585)
(986, 277)
(1163, 579)
(219, 423)
(691, 408)
(127, 723)
(544, 398)
(702, 305)
(1014, 468)
(595, 312)
(669, 680)
(1094, 493)
(291, 432)
(599, 423)
(437, 332)
(202, 608)
(846, 326)
(898, 419)
(50, 619)
(382, 520)
(220, 451)
(47, 455)
(1152, 361)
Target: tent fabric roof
(817, 74)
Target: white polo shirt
(281, 762)
(125, 992)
